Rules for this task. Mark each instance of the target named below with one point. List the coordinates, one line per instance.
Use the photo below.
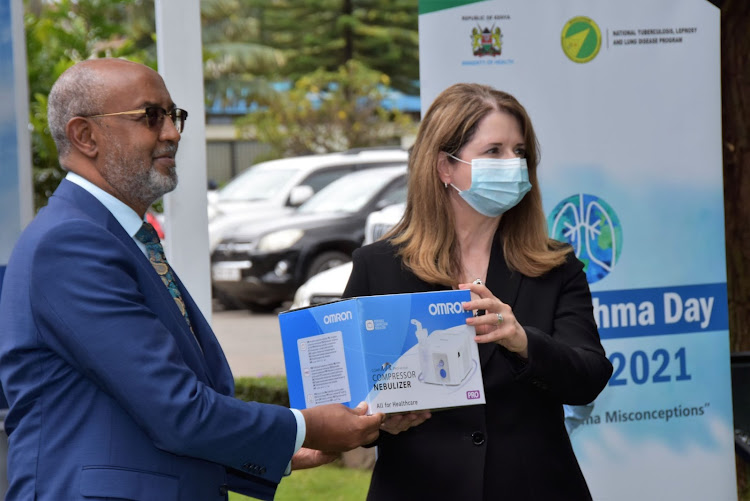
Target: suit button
(223, 490)
(477, 438)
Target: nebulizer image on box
(444, 355)
(439, 369)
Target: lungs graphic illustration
(590, 225)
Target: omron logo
(445, 308)
(337, 317)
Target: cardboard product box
(400, 352)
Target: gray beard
(137, 182)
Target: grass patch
(330, 482)
(266, 389)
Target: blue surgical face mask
(497, 184)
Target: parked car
(261, 265)
(329, 285)
(325, 287)
(289, 182)
(155, 220)
(380, 222)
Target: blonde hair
(426, 235)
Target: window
(323, 178)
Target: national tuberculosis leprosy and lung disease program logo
(592, 227)
(581, 39)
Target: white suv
(274, 188)
(288, 182)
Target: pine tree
(326, 34)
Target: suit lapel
(215, 363)
(170, 314)
(503, 283)
(167, 311)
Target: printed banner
(625, 98)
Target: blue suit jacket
(110, 395)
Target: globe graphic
(590, 225)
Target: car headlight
(280, 240)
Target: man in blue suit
(117, 386)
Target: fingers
(496, 313)
(487, 301)
(336, 428)
(310, 458)
(494, 321)
(498, 324)
(494, 326)
(476, 288)
(397, 423)
(373, 428)
(361, 409)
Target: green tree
(380, 34)
(64, 32)
(343, 54)
(328, 111)
(237, 64)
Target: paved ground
(251, 342)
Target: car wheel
(227, 302)
(327, 260)
(262, 308)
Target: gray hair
(79, 91)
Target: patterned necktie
(147, 235)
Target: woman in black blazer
(474, 220)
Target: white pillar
(25, 176)
(179, 53)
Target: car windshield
(349, 193)
(257, 183)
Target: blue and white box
(399, 352)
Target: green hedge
(266, 389)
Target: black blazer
(515, 447)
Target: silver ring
(499, 318)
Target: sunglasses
(155, 116)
